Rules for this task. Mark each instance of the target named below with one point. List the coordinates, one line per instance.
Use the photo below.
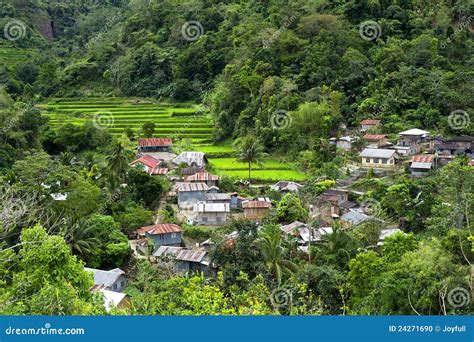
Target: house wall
(156, 149)
(189, 266)
(345, 145)
(255, 213)
(190, 196)
(170, 239)
(420, 172)
(211, 218)
(120, 284)
(378, 162)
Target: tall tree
(249, 151)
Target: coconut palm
(270, 244)
(119, 157)
(249, 151)
(81, 240)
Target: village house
(256, 210)
(150, 165)
(385, 233)
(369, 124)
(421, 166)
(304, 234)
(333, 203)
(376, 140)
(186, 260)
(190, 193)
(354, 218)
(203, 177)
(112, 299)
(378, 158)
(286, 186)
(461, 145)
(191, 159)
(113, 280)
(344, 143)
(236, 200)
(211, 213)
(155, 145)
(161, 234)
(410, 141)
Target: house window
(376, 160)
(122, 283)
(114, 287)
(204, 219)
(218, 219)
(384, 161)
(367, 160)
(173, 235)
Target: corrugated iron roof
(186, 186)
(180, 253)
(151, 142)
(187, 171)
(161, 228)
(369, 122)
(374, 137)
(147, 160)
(106, 278)
(422, 159)
(377, 153)
(190, 158)
(201, 177)
(256, 204)
(217, 197)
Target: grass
(10, 56)
(232, 164)
(266, 175)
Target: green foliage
(291, 209)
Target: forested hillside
(260, 87)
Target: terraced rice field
(117, 114)
(10, 56)
(171, 120)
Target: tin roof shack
(354, 218)
(378, 158)
(236, 200)
(286, 186)
(155, 145)
(304, 234)
(113, 280)
(150, 165)
(211, 213)
(421, 166)
(344, 143)
(376, 140)
(203, 177)
(162, 234)
(256, 210)
(369, 124)
(192, 159)
(329, 203)
(190, 193)
(186, 260)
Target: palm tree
(118, 159)
(81, 240)
(249, 151)
(270, 244)
(337, 247)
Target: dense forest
(290, 74)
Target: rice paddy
(177, 121)
(10, 56)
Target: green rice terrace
(10, 56)
(178, 121)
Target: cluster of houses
(415, 146)
(110, 285)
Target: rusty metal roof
(374, 137)
(186, 187)
(201, 177)
(161, 228)
(147, 160)
(421, 159)
(180, 253)
(370, 122)
(256, 204)
(150, 142)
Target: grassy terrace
(10, 56)
(171, 120)
(177, 121)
